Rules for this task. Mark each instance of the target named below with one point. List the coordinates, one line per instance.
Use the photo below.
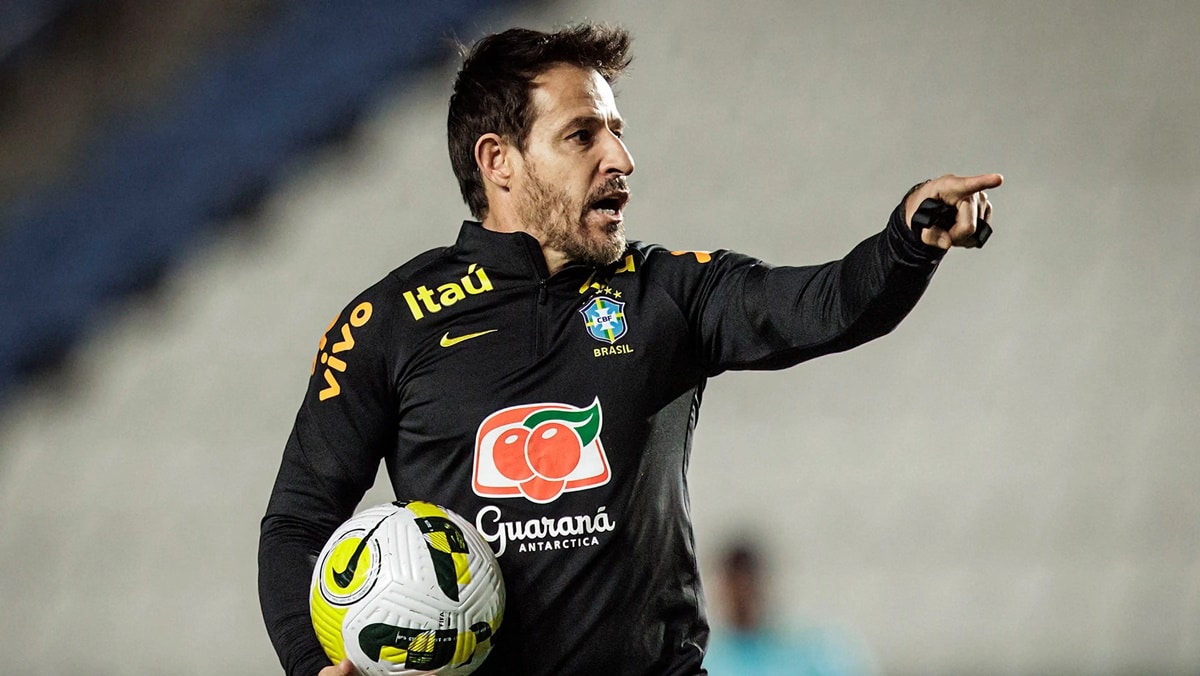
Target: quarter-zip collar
(517, 253)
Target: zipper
(541, 309)
(538, 264)
(539, 317)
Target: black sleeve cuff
(906, 246)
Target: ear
(492, 156)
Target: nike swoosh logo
(447, 341)
(343, 578)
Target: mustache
(617, 183)
(612, 185)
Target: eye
(583, 136)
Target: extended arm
(756, 316)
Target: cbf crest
(605, 319)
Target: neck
(555, 259)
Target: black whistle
(934, 213)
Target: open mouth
(611, 204)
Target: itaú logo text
(540, 451)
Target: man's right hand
(344, 668)
(964, 193)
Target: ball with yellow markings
(407, 588)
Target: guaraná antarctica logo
(540, 451)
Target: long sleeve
(748, 314)
(331, 458)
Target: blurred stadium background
(1008, 484)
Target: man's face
(571, 188)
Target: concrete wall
(1006, 484)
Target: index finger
(959, 187)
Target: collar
(518, 253)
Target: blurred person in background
(749, 638)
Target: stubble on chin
(550, 217)
(609, 250)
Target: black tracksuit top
(433, 369)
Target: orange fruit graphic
(542, 490)
(509, 454)
(553, 450)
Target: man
(542, 376)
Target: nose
(617, 159)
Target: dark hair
(742, 557)
(491, 93)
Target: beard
(563, 226)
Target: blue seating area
(151, 185)
(22, 20)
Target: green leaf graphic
(586, 421)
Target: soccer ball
(407, 588)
